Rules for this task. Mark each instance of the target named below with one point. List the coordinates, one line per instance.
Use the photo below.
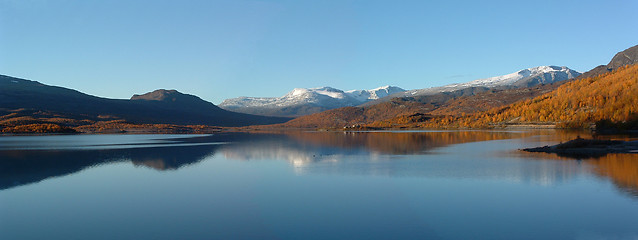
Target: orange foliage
(621, 168)
(38, 128)
(349, 116)
(577, 104)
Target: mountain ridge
(528, 77)
(303, 101)
(626, 57)
(32, 97)
(421, 105)
(605, 99)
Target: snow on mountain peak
(381, 88)
(298, 91)
(373, 94)
(331, 92)
(522, 78)
(322, 96)
(529, 77)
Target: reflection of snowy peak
(301, 101)
(523, 78)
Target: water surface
(312, 185)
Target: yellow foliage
(38, 128)
(580, 103)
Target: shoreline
(588, 148)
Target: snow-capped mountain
(302, 101)
(523, 78)
(380, 92)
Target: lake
(313, 185)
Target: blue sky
(225, 49)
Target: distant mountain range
(606, 102)
(458, 99)
(303, 101)
(30, 98)
(524, 78)
(25, 103)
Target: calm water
(381, 185)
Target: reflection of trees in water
(370, 153)
(24, 167)
(620, 168)
(398, 142)
(300, 149)
(299, 143)
(305, 147)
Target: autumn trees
(610, 98)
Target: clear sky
(225, 49)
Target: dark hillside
(161, 106)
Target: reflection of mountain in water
(308, 146)
(272, 151)
(19, 167)
(398, 143)
(376, 153)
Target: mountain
(605, 95)
(373, 94)
(478, 95)
(303, 101)
(21, 99)
(175, 100)
(608, 98)
(524, 78)
(626, 57)
(500, 97)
